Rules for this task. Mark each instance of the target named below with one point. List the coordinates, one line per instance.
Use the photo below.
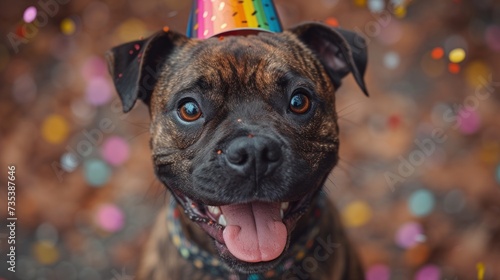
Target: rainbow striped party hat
(211, 18)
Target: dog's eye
(189, 111)
(300, 103)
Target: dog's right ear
(135, 66)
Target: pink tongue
(254, 231)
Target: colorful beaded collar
(211, 265)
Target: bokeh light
(428, 272)
(378, 272)
(356, 214)
(29, 14)
(97, 173)
(110, 218)
(421, 202)
(409, 234)
(55, 129)
(115, 150)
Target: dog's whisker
(349, 106)
(135, 136)
(350, 121)
(141, 125)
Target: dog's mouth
(256, 232)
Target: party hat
(232, 17)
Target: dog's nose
(256, 155)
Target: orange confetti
(221, 38)
(437, 53)
(166, 29)
(332, 22)
(454, 68)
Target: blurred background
(418, 184)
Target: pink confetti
(408, 234)
(115, 150)
(469, 121)
(110, 218)
(378, 272)
(94, 67)
(98, 91)
(29, 14)
(428, 272)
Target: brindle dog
(244, 134)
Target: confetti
(94, 67)
(454, 68)
(115, 150)
(110, 218)
(97, 173)
(477, 73)
(131, 29)
(409, 234)
(378, 272)
(376, 6)
(469, 121)
(391, 60)
(421, 202)
(69, 162)
(437, 53)
(45, 252)
(55, 129)
(68, 26)
(332, 21)
(480, 271)
(29, 14)
(360, 3)
(99, 91)
(400, 11)
(356, 214)
(457, 55)
(428, 272)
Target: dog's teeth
(222, 220)
(284, 205)
(282, 213)
(214, 210)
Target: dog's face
(243, 128)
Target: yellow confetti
(55, 129)
(457, 55)
(356, 214)
(477, 74)
(131, 30)
(480, 271)
(68, 26)
(360, 3)
(45, 252)
(400, 11)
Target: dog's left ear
(135, 66)
(340, 51)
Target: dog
(244, 134)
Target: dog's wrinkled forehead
(243, 64)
